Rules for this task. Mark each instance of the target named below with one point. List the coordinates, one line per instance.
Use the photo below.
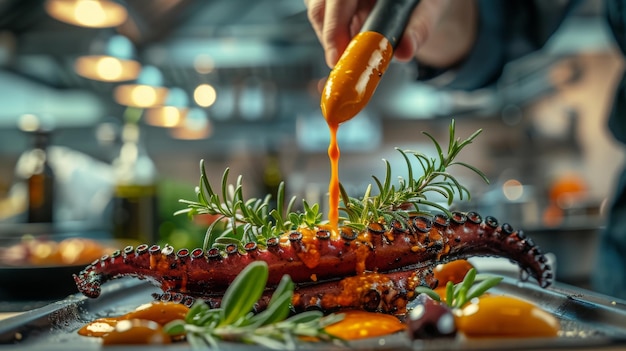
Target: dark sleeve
(616, 19)
(507, 30)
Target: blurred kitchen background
(235, 82)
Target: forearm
(505, 31)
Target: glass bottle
(135, 214)
(40, 181)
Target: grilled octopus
(376, 269)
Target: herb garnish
(235, 321)
(252, 220)
(413, 192)
(472, 286)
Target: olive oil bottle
(135, 214)
(40, 181)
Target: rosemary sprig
(248, 220)
(251, 220)
(413, 192)
(472, 286)
(234, 321)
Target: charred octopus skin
(370, 291)
(375, 269)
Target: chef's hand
(440, 33)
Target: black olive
(430, 319)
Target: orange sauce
(156, 312)
(99, 327)
(333, 186)
(505, 316)
(310, 256)
(353, 290)
(348, 89)
(353, 287)
(136, 331)
(453, 271)
(361, 324)
(160, 312)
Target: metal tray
(588, 320)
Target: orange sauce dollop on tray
(505, 316)
(348, 89)
(140, 326)
(137, 332)
(453, 271)
(361, 324)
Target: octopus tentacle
(324, 256)
(380, 292)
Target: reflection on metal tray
(588, 320)
(27, 283)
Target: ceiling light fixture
(195, 126)
(203, 64)
(173, 111)
(111, 60)
(87, 13)
(147, 92)
(204, 95)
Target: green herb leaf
(279, 306)
(457, 295)
(175, 327)
(199, 307)
(244, 292)
(482, 287)
(428, 291)
(468, 280)
(449, 293)
(305, 317)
